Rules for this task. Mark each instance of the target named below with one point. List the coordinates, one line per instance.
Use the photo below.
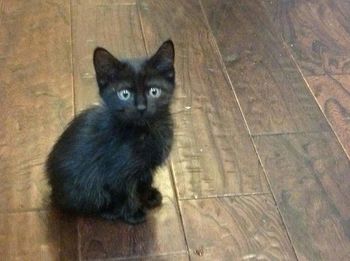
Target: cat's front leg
(154, 198)
(150, 197)
(132, 211)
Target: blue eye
(155, 92)
(124, 95)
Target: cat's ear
(106, 67)
(163, 59)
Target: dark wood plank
(333, 95)
(235, 228)
(36, 104)
(212, 154)
(161, 234)
(317, 32)
(309, 176)
(270, 89)
(117, 28)
(35, 77)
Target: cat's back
(92, 121)
(79, 138)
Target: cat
(104, 162)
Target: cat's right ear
(106, 67)
(163, 59)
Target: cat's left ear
(163, 59)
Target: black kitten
(103, 163)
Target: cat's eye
(155, 92)
(124, 94)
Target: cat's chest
(153, 147)
(147, 141)
(142, 137)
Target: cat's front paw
(135, 218)
(154, 198)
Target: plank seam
(227, 196)
(216, 47)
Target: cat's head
(137, 91)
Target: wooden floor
(260, 167)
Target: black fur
(103, 163)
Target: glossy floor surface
(259, 168)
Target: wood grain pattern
(161, 234)
(30, 51)
(317, 32)
(36, 104)
(309, 176)
(235, 228)
(270, 89)
(117, 28)
(333, 95)
(213, 154)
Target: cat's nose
(141, 108)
